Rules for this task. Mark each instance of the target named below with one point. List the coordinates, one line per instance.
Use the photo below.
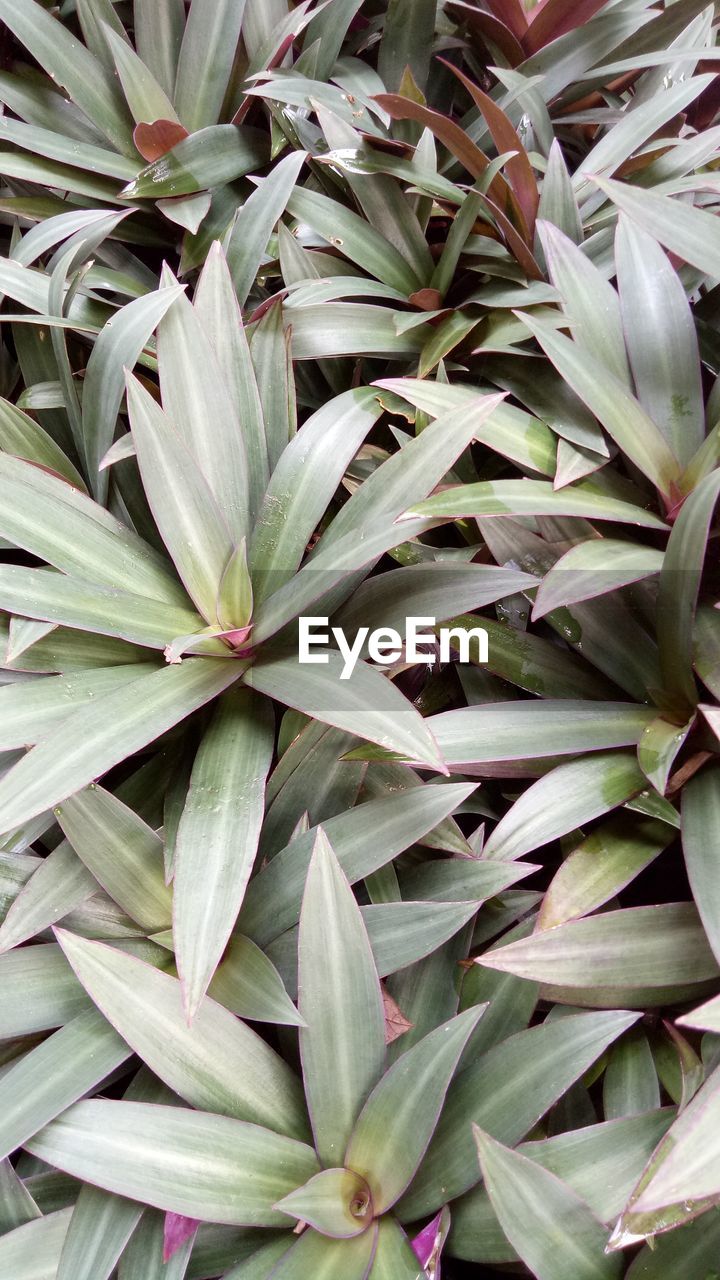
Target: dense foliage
(370, 311)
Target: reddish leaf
(177, 1230)
(396, 1024)
(519, 170)
(554, 18)
(428, 1244)
(489, 29)
(156, 139)
(512, 13)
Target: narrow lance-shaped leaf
(124, 854)
(408, 1101)
(255, 221)
(566, 798)
(200, 1165)
(364, 703)
(340, 1001)
(679, 587)
(661, 339)
(594, 568)
(219, 1063)
(206, 58)
(218, 835)
(216, 305)
(612, 403)
(109, 730)
(632, 949)
(364, 838)
(528, 498)
(100, 1227)
(700, 836)
(506, 1091)
(185, 510)
(552, 1229)
(118, 347)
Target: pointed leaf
(340, 1001)
(552, 1229)
(323, 1259)
(336, 1202)
(212, 866)
(97, 737)
(528, 498)
(407, 1100)
(634, 948)
(218, 1063)
(155, 1154)
(507, 1091)
(565, 798)
(700, 835)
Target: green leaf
(31, 710)
(155, 1154)
(306, 476)
(212, 865)
(159, 27)
(508, 430)
(600, 1162)
(526, 730)
(693, 1248)
(335, 1202)
(100, 1227)
(558, 204)
(341, 1003)
(551, 1228)
(682, 1177)
(206, 60)
(630, 1085)
(622, 416)
(25, 438)
(58, 598)
(248, 984)
(394, 1257)
(76, 535)
(607, 860)
(32, 1252)
(564, 799)
(506, 1092)
(145, 97)
(323, 1259)
(58, 1072)
(216, 306)
(408, 1100)
(207, 159)
(119, 346)
(41, 991)
(594, 568)
(528, 498)
(121, 851)
(658, 747)
(97, 737)
(255, 221)
(365, 703)
(359, 241)
(218, 1064)
(700, 832)
(661, 339)
(679, 588)
(202, 411)
(590, 303)
(189, 518)
(642, 948)
(72, 66)
(364, 839)
(690, 233)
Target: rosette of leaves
(318, 1183)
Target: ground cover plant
(365, 312)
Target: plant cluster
(365, 311)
